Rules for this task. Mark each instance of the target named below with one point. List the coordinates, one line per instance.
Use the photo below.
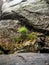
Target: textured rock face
(16, 4)
(25, 59)
(8, 23)
(36, 13)
(1, 2)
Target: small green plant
(17, 39)
(23, 31)
(31, 36)
(1, 52)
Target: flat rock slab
(24, 59)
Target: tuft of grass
(31, 36)
(1, 52)
(17, 39)
(23, 30)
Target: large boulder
(34, 13)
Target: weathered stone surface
(24, 59)
(8, 23)
(1, 2)
(35, 14)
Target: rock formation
(32, 13)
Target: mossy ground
(24, 41)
